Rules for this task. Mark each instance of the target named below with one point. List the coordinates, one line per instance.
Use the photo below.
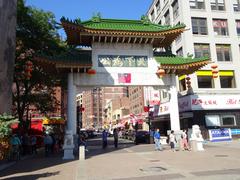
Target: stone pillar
(174, 111)
(71, 119)
(71, 105)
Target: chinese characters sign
(202, 102)
(164, 108)
(122, 61)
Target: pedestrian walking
(115, 136)
(185, 145)
(172, 141)
(157, 140)
(26, 144)
(48, 144)
(82, 141)
(53, 143)
(33, 144)
(151, 136)
(104, 138)
(16, 145)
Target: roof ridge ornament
(96, 17)
(145, 20)
(190, 55)
(77, 21)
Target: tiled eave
(80, 35)
(51, 65)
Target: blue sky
(84, 9)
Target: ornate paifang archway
(121, 54)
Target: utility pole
(8, 18)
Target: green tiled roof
(122, 25)
(127, 25)
(71, 57)
(177, 60)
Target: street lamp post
(147, 109)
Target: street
(130, 162)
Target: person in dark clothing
(25, 144)
(53, 143)
(33, 144)
(115, 135)
(104, 138)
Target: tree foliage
(36, 34)
(5, 125)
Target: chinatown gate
(122, 54)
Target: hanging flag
(124, 77)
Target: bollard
(194, 145)
(81, 153)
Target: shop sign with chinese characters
(164, 109)
(208, 102)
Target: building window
(220, 27)
(227, 79)
(152, 16)
(238, 27)
(205, 82)
(167, 18)
(220, 120)
(158, 6)
(217, 5)
(199, 26)
(180, 52)
(175, 7)
(197, 4)
(228, 120)
(201, 50)
(223, 52)
(182, 83)
(204, 79)
(164, 94)
(236, 5)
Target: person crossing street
(157, 140)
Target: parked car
(142, 137)
(83, 133)
(131, 134)
(91, 133)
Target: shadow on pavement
(33, 176)
(35, 163)
(94, 147)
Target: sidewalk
(41, 167)
(130, 162)
(218, 161)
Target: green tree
(36, 34)
(5, 125)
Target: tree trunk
(8, 15)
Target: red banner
(124, 77)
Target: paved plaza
(130, 162)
